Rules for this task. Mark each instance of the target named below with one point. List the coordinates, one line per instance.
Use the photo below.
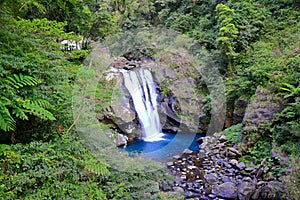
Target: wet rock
(233, 162)
(255, 195)
(273, 190)
(225, 190)
(241, 165)
(121, 140)
(211, 178)
(222, 138)
(246, 190)
(232, 152)
(249, 169)
(259, 112)
(169, 164)
(226, 179)
(187, 151)
(240, 106)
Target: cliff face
(259, 116)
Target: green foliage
(56, 170)
(257, 152)
(271, 61)
(286, 130)
(233, 133)
(291, 90)
(292, 181)
(36, 76)
(64, 169)
(227, 32)
(14, 103)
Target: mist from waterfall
(140, 84)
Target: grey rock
(260, 111)
(273, 190)
(225, 190)
(170, 73)
(226, 179)
(246, 190)
(187, 151)
(241, 165)
(247, 179)
(233, 162)
(211, 178)
(178, 190)
(169, 164)
(222, 138)
(249, 169)
(260, 183)
(255, 195)
(240, 106)
(121, 140)
(232, 152)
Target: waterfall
(140, 84)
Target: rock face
(259, 113)
(240, 106)
(120, 111)
(176, 76)
(215, 173)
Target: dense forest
(255, 45)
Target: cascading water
(140, 84)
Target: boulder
(272, 191)
(226, 190)
(187, 151)
(211, 178)
(245, 190)
(121, 140)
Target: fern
(36, 110)
(17, 105)
(41, 103)
(7, 123)
(19, 112)
(19, 81)
(96, 167)
(292, 90)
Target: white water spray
(142, 89)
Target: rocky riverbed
(216, 173)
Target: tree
(227, 32)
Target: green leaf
(7, 123)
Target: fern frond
(292, 90)
(5, 101)
(19, 81)
(42, 103)
(97, 168)
(19, 112)
(36, 110)
(7, 123)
